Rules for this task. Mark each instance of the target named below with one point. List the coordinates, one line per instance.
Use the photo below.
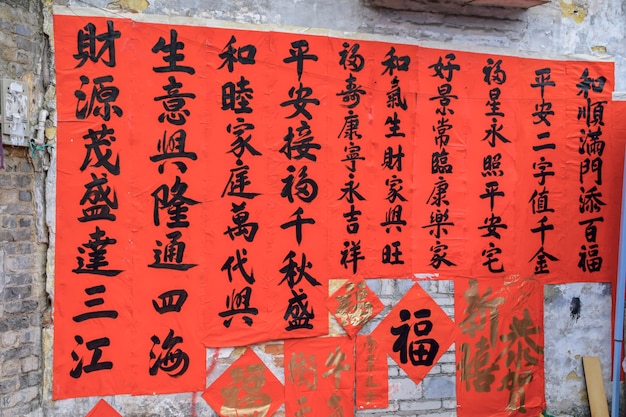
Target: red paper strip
(94, 265)
(319, 376)
(372, 383)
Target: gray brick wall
(21, 300)
(20, 38)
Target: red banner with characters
(211, 181)
(500, 347)
(319, 376)
(371, 372)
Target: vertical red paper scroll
(297, 264)
(93, 265)
(500, 347)
(492, 176)
(441, 165)
(319, 377)
(394, 111)
(349, 146)
(592, 89)
(169, 148)
(372, 384)
(237, 194)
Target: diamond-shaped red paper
(103, 409)
(247, 389)
(353, 305)
(416, 333)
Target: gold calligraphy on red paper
(372, 383)
(319, 376)
(500, 347)
(246, 389)
(353, 305)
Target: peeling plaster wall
(577, 323)
(597, 28)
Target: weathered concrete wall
(595, 27)
(574, 328)
(559, 27)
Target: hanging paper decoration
(499, 352)
(211, 207)
(319, 377)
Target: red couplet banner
(210, 181)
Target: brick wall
(20, 38)
(22, 257)
(22, 299)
